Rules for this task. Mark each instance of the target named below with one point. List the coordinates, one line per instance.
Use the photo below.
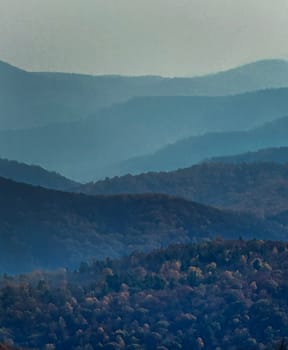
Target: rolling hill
(34, 175)
(85, 150)
(36, 99)
(260, 188)
(43, 228)
(189, 151)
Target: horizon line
(234, 67)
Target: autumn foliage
(214, 295)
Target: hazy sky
(135, 37)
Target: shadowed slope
(261, 188)
(49, 229)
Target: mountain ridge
(82, 149)
(259, 188)
(50, 229)
(192, 150)
(275, 154)
(33, 99)
(262, 63)
(34, 175)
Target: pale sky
(136, 37)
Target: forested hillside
(49, 229)
(215, 295)
(260, 188)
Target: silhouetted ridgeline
(34, 175)
(261, 188)
(36, 99)
(215, 295)
(196, 149)
(272, 155)
(42, 228)
(88, 149)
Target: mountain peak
(272, 70)
(276, 62)
(9, 68)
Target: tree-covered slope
(42, 228)
(261, 188)
(215, 295)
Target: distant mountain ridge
(34, 99)
(275, 155)
(259, 188)
(193, 150)
(83, 150)
(43, 228)
(34, 175)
